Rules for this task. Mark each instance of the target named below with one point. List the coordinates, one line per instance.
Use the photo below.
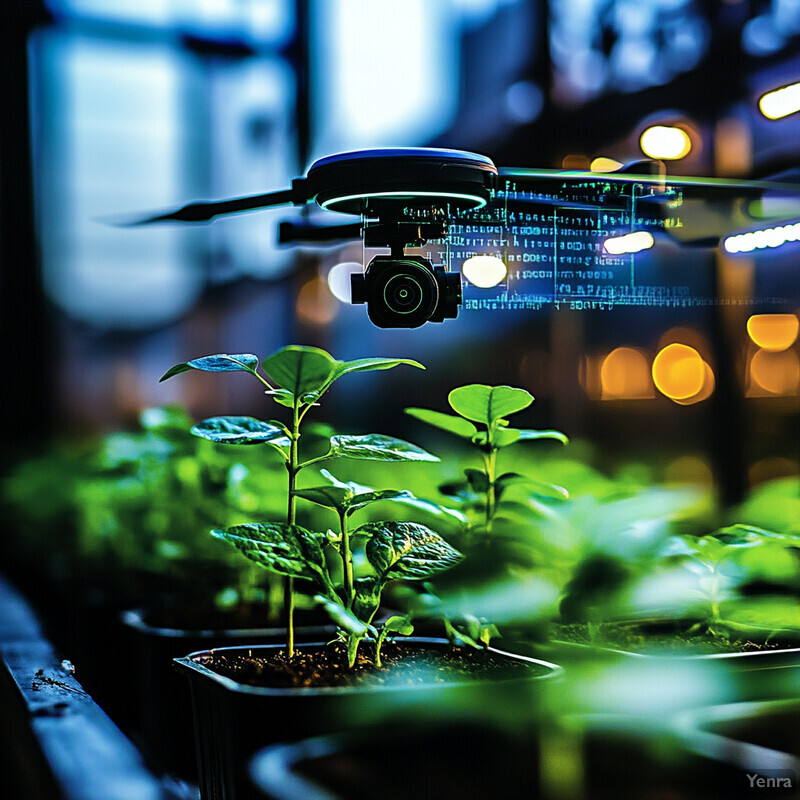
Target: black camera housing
(406, 291)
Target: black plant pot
(233, 720)
(164, 704)
(759, 741)
(751, 676)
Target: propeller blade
(206, 211)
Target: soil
(661, 638)
(325, 666)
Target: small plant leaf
(241, 430)
(299, 369)
(478, 480)
(446, 422)
(362, 500)
(342, 617)
(407, 550)
(366, 597)
(398, 624)
(371, 364)
(528, 435)
(503, 437)
(377, 447)
(540, 488)
(433, 508)
(278, 547)
(282, 397)
(222, 362)
(348, 497)
(335, 497)
(488, 404)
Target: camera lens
(402, 294)
(399, 292)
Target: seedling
(296, 377)
(727, 561)
(488, 406)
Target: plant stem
(490, 461)
(292, 469)
(347, 560)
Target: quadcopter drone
(407, 197)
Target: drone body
(465, 205)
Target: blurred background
(119, 107)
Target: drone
(407, 197)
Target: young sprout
(296, 377)
(488, 406)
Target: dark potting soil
(660, 639)
(326, 667)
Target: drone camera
(406, 291)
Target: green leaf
(371, 364)
(366, 597)
(398, 624)
(342, 617)
(377, 447)
(282, 397)
(407, 550)
(348, 497)
(767, 613)
(362, 500)
(540, 488)
(300, 370)
(222, 362)
(527, 435)
(434, 508)
(503, 437)
(446, 422)
(278, 547)
(241, 430)
(478, 480)
(334, 497)
(488, 404)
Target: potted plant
(302, 688)
(726, 597)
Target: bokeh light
(629, 243)
(625, 374)
(604, 164)
(689, 469)
(780, 102)
(679, 371)
(315, 303)
(773, 331)
(484, 271)
(665, 141)
(776, 373)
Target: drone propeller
(370, 182)
(206, 211)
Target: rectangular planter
(233, 720)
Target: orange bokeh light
(773, 331)
(680, 373)
(625, 374)
(774, 372)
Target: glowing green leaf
(222, 362)
(488, 404)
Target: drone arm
(206, 211)
(289, 232)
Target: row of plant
(591, 552)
